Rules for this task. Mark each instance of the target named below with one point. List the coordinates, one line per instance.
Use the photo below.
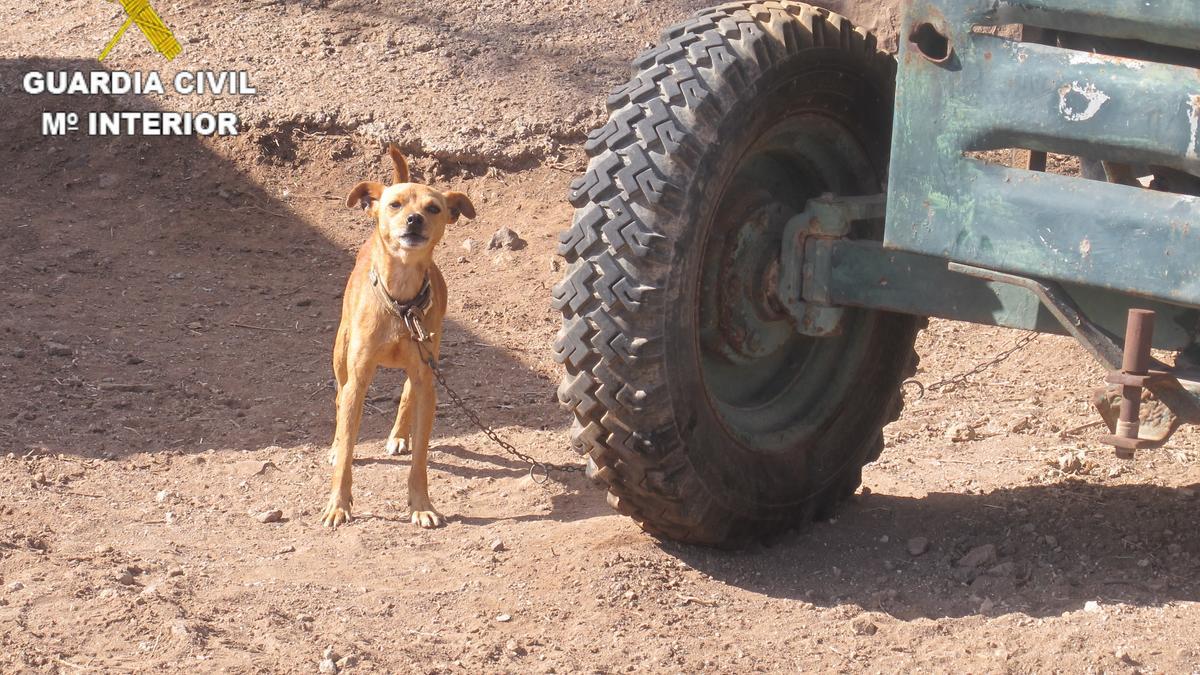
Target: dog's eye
(434, 209)
(395, 205)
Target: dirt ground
(165, 381)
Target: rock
(918, 546)
(497, 546)
(555, 264)
(327, 666)
(164, 496)
(125, 579)
(978, 556)
(504, 618)
(1070, 463)
(169, 517)
(175, 572)
(462, 259)
(1051, 541)
(961, 433)
(515, 647)
(348, 661)
(1091, 607)
(272, 516)
(58, 349)
(195, 325)
(1004, 569)
(15, 586)
(864, 626)
(468, 245)
(506, 238)
(286, 549)
(1123, 655)
(328, 653)
(18, 353)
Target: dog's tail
(400, 166)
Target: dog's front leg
(349, 414)
(425, 401)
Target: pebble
(125, 579)
(864, 626)
(504, 618)
(468, 245)
(273, 516)
(348, 661)
(978, 556)
(175, 572)
(497, 546)
(327, 666)
(286, 549)
(15, 586)
(555, 264)
(515, 647)
(1091, 606)
(506, 238)
(164, 496)
(58, 349)
(918, 546)
(330, 654)
(169, 517)
(961, 433)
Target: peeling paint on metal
(1094, 97)
(1193, 112)
(1088, 58)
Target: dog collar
(411, 312)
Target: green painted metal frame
(993, 93)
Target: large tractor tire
(710, 419)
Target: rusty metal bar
(1136, 362)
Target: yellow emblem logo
(160, 37)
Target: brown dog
(392, 315)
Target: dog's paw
(337, 511)
(396, 446)
(427, 519)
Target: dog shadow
(163, 297)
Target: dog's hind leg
(349, 414)
(425, 401)
(397, 442)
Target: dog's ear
(460, 205)
(366, 194)
(399, 165)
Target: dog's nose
(416, 220)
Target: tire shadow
(1046, 550)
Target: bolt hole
(932, 44)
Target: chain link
(539, 471)
(964, 377)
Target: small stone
(884, 539)
(506, 238)
(864, 626)
(918, 546)
(328, 653)
(468, 245)
(515, 647)
(555, 264)
(125, 579)
(348, 661)
(164, 496)
(195, 325)
(1004, 569)
(169, 517)
(273, 516)
(978, 556)
(961, 433)
(58, 349)
(1091, 606)
(504, 618)
(175, 572)
(1123, 655)
(327, 666)
(101, 549)
(462, 259)
(1051, 541)
(497, 546)
(1070, 463)
(286, 549)
(630, 595)
(15, 586)
(18, 353)
(986, 606)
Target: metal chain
(963, 377)
(535, 467)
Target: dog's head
(411, 217)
